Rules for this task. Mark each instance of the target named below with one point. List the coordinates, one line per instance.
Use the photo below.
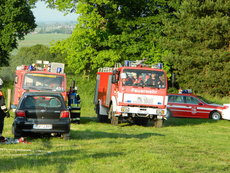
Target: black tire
(101, 118)
(15, 133)
(168, 114)
(114, 119)
(215, 115)
(158, 123)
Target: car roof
(41, 94)
(183, 94)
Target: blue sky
(43, 14)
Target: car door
(192, 105)
(177, 106)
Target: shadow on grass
(59, 159)
(86, 120)
(91, 134)
(187, 121)
(173, 121)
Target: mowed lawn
(182, 145)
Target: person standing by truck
(3, 112)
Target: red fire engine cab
(42, 76)
(134, 92)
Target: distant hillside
(45, 39)
(55, 27)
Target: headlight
(124, 109)
(160, 112)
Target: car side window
(176, 99)
(192, 100)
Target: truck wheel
(215, 115)
(115, 120)
(66, 136)
(101, 118)
(158, 123)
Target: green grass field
(182, 145)
(45, 39)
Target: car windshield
(204, 100)
(144, 78)
(36, 102)
(43, 82)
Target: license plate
(42, 126)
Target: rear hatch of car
(43, 107)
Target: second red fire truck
(42, 76)
(135, 92)
(48, 77)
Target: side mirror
(200, 104)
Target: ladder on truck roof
(105, 69)
(109, 69)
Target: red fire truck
(42, 76)
(135, 92)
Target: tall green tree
(111, 31)
(16, 20)
(199, 44)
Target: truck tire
(114, 119)
(101, 118)
(158, 123)
(66, 136)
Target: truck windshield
(144, 78)
(43, 82)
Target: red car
(193, 106)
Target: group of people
(149, 80)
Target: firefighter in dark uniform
(3, 112)
(74, 103)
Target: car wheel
(215, 115)
(168, 114)
(16, 134)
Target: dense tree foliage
(190, 37)
(199, 44)
(16, 20)
(27, 56)
(111, 31)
